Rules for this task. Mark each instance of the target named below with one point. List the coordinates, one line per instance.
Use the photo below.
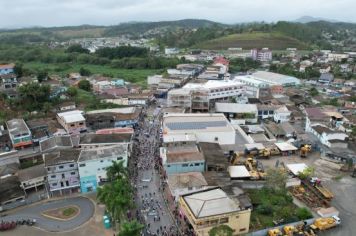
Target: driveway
(86, 206)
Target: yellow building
(212, 207)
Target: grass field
(137, 76)
(274, 41)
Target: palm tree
(132, 228)
(117, 171)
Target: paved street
(152, 209)
(34, 212)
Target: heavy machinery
(263, 153)
(325, 223)
(316, 182)
(304, 150)
(274, 232)
(254, 167)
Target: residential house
(184, 183)
(238, 113)
(141, 99)
(72, 121)
(62, 171)
(330, 138)
(10, 191)
(181, 159)
(8, 78)
(19, 133)
(210, 208)
(92, 165)
(315, 115)
(66, 106)
(33, 177)
(88, 141)
(326, 78)
(266, 111)
(281, 114)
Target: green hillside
(274, 41)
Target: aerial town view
(177, 118)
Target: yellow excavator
(304, 150)
(250, 163)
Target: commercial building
(19, 133)
(72, 121)
(181, 159)
(210, 208)
(213, 128)
(92, 165)
(62, 171)
(276, 79)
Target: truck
(321, 224)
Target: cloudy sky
(24, 13)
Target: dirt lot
(341, 184)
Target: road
(151, 205)
(51, 225)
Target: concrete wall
(183, 167)
(222, 137)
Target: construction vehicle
(325, 223)
(254, 167)
(274, 232)
(304, 150)
(316, 182)
(263, 153)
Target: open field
(253, 40)
(137, 76)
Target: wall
(55, 176)
(227, 137)
(192, 166)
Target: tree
(72, 91)
(18, 70)
(313, 92)
(32, 96)
(85, 85)
(306, 173)
(47, 107)
(221, 230)
(84, 72)
(276, 179)
(303, 213)
(117, 171)
(132, 228)
(42, 75)
(77, 48)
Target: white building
(276, 79)
(337, 56)
(211, 128)
(263, 55)
(281, 115)
(171, 51)
(154, 79)
(328, 137)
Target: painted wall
(183, 167)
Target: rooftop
(212, 84)
(284, 146)
(186, 180)
(315, 113)
(7, 66)
(32, 173)
(56, 141)
(186, 153)
(17, 127)
(238, 172)
(105, 138)
(210, 202)
(275, 78)
(102, 153)
(71, 116)
(181, 123)
(62, 156)
(235, 107)
(10, 188)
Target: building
(213, 128)
(113, 118)
(62, 171)
(184, 183)
(281, 114)
(72, 121)
(326, 78)
(330, 138)
(33, 177)
(10, 191)
(315, 115)
(8, 78)
(276, 79)
(88, 141)
(19, 133)
(92, 165)
(209, 208)
(338, 57)
(262, 55)
(238, 113)
(171, 51)
(181, 159)
(266, 111)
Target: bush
(264, 209)
(85, 85)
(303, 213)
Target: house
(66, 106)
(10, 191)
(214, 128)
(62, 171)
(56, 142)
(92, 165)
(183, 183)
(239, 113)
(33, 177)
(263, 55)
(181, 159)
(212, 207)
(72, 121)
(19, 133)
(266, 111)
(91, 140)
(326, 78)
(8, 78)
(42, 129)
(112, 118)
(330, 138)
(315, 115)
(281, 114)
(141, 99)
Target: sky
(28, 13)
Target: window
(81, 123)
(216, 138)
(101, 160)
(61, 167)
(224, 220)
(72, 125)
(184, 165)
(168, 165)
(54, 184)
(119, 158)
(214, 222)
(81, 165)
(72, 173)
(53, 176)
(243, 229)
(71, 165)
(197, 164)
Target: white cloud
(108, 12)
